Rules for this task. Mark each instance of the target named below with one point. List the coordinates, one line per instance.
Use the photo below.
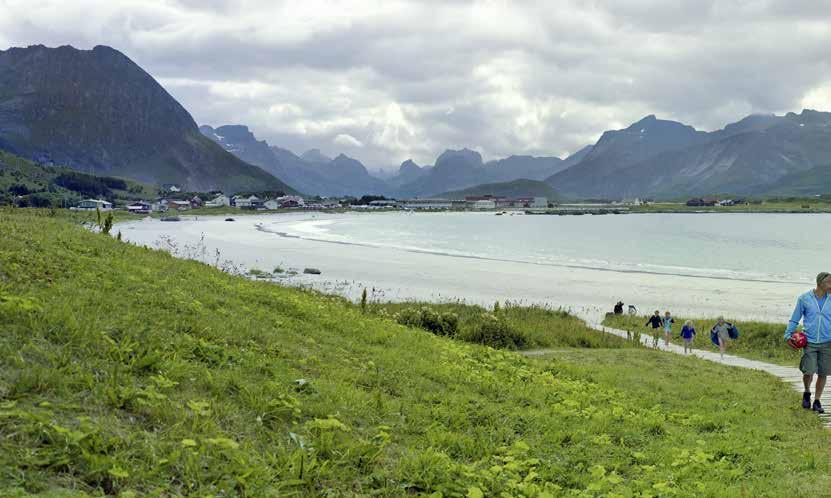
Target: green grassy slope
(126, 371)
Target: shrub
(108, 224)
(41, 200)
(19, 189)
(116, 183)
(444, 324)
(496, 333)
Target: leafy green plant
(443, 324)
(497, 333)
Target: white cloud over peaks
(818, 98)
(347, 140)
(531, 77)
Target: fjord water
(748, 265)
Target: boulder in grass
(311, 271)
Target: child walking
(688, 334)
(667, 323)
(655, 321)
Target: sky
(384, 81)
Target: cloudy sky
(390, 80)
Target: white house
(219, 201)
(93, 204)
(484, 204)
(539, 203)
(159, 206)
(252, 202)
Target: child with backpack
(688, 334)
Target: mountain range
(762, 154)
(310, 173)
(314, 173)
(98, 112)
(758, 155)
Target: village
(177, 202)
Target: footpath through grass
(757, 340)
(126, 372)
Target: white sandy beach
(410, 273)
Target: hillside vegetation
(127, 372)
(30, 184)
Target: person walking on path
(813, 309)
(656, 322)
(722, 331)
(667, 323)
(688, 334)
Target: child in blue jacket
(688, 334)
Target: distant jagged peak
(810, 116)
(467, 156)
(315, 156)
(651, 122)
(409, 165)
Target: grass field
(757, 340)
(127, 372)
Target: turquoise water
(780, 248)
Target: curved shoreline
(260, 227)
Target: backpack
(733, 331)
(714, 336)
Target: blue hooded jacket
(816, 320)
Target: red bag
(798, 340)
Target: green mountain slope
(97, 111)
(126, 372)
(815, 181)
(49, 186)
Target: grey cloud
(412, 78)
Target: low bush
(497, 333)
(443, 324)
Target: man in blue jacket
(815, 312)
